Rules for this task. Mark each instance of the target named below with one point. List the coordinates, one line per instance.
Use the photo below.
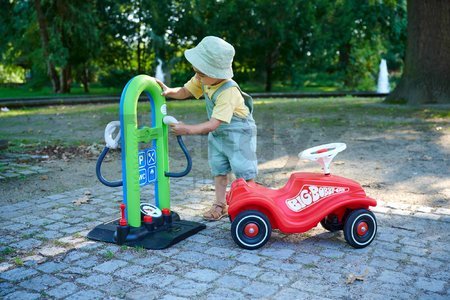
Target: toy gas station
(148, 223)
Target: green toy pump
(141, 167)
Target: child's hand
(179, 129)
(165, 88)
(174, 93)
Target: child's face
(204, 79)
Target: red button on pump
(165, 211)
(148, 219)
(122, 221)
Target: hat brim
(195, 58)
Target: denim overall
(232, 147)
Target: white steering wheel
(323, 154)
(111, 140)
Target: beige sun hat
(212, 56)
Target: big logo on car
(310, 194)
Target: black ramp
(162, 238)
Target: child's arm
(202, 128)
(174, 93)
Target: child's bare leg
(221, 183)
(219, 207)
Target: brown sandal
(216, 212)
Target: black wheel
(331, 223)
(360, 228)
(251, 229)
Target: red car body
(305, 200)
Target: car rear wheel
(360, 228)
(331, 223)
(251, 229)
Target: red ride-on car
(307, 199)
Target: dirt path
(400, 155)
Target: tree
(350, 37)
(45, 40)
(426, 74)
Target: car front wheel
(360, 228)
(251, 229)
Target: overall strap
(231, 83)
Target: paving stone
(52, 267)
(7, 288)
(253, 259)
(225, 293)
(277, 253)
(147, 261)
(87, 295)
(247, 270)
(127, 272)
(222, 252)
(22, 295)
(74, 255)
(335, 254)
(419, 251)
(144, 293)
(27, 244)
(51, 234)
(233, 281)
(390, 254)
(119, 288)
(309, 286)
(281, 266)
(384, 263)
(431, 285)
(306, 258)
(75, 272)
(190, 256)
(289, 293)
(202, 275)
(18, 274)
(95, 280)
(110, 266)
(52, 250)
(395, 277)
(87, 262)
(188, 288)
(162, 280)
(40, 283)
(261, 290)
(4, 266)
(63, 290)
(275, 278)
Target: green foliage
(116, 78)
(279, 44)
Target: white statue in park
(383, 79)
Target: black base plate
(161, 238)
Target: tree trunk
(66, 79)
(426, 75)
(85, 79)
(45, 46)
(269, 72)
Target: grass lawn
(24, 92)
(84, 124)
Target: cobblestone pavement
(10, 168)
(45, 255)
